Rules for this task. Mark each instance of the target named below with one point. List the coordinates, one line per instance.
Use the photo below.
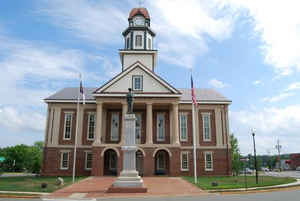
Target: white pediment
(152, 84)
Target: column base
(128, 182)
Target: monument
(129, 180)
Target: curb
(294, 184)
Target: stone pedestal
(129, 180)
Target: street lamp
(255, 163)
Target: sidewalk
(96, 187)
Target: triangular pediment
(152, 83)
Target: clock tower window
(128, 43)
(138, 40)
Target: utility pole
(278, 147)
(255, 162)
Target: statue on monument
(130, 95)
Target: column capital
(149, 103)
(175, 103)
(99, 102)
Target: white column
(124, 112)
(99, 123)
(175, 124)
(149, 131)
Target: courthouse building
(163, 119)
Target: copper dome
(139, 11)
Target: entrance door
(110, 162)
(138, 128)
(139, 162)
(161, 163)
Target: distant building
(163, 126)
(295, 160)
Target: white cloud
(293, 86)
(271, 123)
(182, 27)
(217, 84)
(278, 98)
(14, 119)
(257, 82)
(278, 25)
(94, 21)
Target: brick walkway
(95, 187)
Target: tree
(235, 155)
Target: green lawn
(232, 182)
(32, 184)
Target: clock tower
(138, 41)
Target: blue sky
(244, 49)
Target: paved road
(295, 174)
(292, 195)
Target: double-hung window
(138, 40)
(68, 125)
(160, 127)
(208, 161)
(183, 126)
(64, 160)
(91, 126)
(88, 160)
(206, 127)
(137, 82)
(114, 131)
(184, 161)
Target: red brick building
(164, 120)
(294, 160)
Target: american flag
(193, 92)
(81, 90)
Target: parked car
(265, 169)
(298, 168)
(247, 171)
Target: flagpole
(77, 122)
(194, 144)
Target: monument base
(128, 182)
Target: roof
(139, 11)
(202, 95)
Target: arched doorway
(162, 163)
(140, 162)
(110, 163)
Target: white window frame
(65, 123)
(181, 160)
(134, 77)
(111, 126)
(157, 127)
(61, 160)
(212, 161)
(88, 126)
(206, 114)
(180, 126)
(136, 41)
(86, 161)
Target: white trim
(182, 153)
(206, 114)
(186, 116)
(207, 102)
(138, 95)
(68, 101)
(85, 162)
(138, 64)
(65, 121)
(88, 126)
(61, 160)
(112, 114)
(212, 161)
(164, 128)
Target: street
(291, 195)
(294, 174)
